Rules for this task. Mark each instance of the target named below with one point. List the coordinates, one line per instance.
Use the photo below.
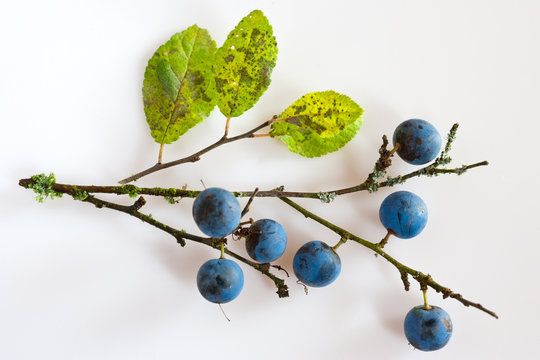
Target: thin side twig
(197, 156)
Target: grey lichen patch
(378, 174)
(461, 170)
(43, 186)
(373, 187)
(444, 159)
(391, 181)
(326, 197)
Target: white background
(81, 283)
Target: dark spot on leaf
(295, 120)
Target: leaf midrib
(169, 121)
(241, 67)
(322, 114)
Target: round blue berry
(419, 141)
(220, 280)
(266, 241)
(429, 329)
(216, 212)
(316, 264)
(404, 214)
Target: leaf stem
(160, 153)
(227, 127)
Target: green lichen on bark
(79, 194)
(244, 63)
(43, 186)
(318, 123)
(131, 190)
(179, 89)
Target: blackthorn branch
(421, 278)
(372, 183)
(169, 193)
(47, 186)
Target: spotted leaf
(244, 64)
(179, 90)
(318, 123)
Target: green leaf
(244, 64)
(179, 89)
(318, 123)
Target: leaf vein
(176, 102)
